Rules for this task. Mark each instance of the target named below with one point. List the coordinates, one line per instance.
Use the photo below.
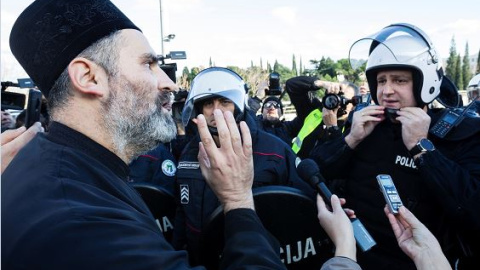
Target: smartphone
(34, 105)
(389, 192)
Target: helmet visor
(397, 44)
(237, 97)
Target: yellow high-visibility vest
(309, 125)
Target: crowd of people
(67, 198)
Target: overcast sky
(236, 32)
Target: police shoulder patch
(168, 167)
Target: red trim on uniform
(269, 154)
(148, 156)
(193, 228)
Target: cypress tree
(451, 61)
(466, 72)
(458, 72)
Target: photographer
(319, 123)
(270, 120)
(437, 178)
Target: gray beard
(136, 126)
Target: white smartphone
(389, 192)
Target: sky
(238, 32)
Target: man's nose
(165, 83)
(388, 88)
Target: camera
(178, 103)
(332, 101)
(274, 88)
(171, 68)
(12, 100)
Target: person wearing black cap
(66, 203)
(437, 178)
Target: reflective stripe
(309, 125)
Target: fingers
(224, 129)
(408, 219)
(205, 136)
(11, 134)
(203, 156)
(396, 226)
(247, 139)
(336, 203)
(320, 203)
(236, 140)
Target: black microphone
(308, 170)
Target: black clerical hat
(51, 33)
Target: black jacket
(298, 89)
(274, 164)
(442, 191)
(66, 205)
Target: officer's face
(224, 104)
(395, 89)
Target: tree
(478, 63)
(294, 66)
(269, 68)
(326, 68)
(261, 63)
(451, 61)
(466, 72)
(301, 66)
(210, 64)
(458, 72)
(275, 66)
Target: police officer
(436, 178)
(274, 162)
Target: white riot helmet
(401, 46)
(473, 89)
(215, 82)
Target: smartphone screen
(389, 192)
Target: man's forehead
(135, 43)
(394, 73)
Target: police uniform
(274, 164)
(440, 188)
(157, 166)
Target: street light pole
(161, 27)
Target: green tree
(269, 68)
(301, 66)
(326, 68)
(275, 66)
(466, 72)
(261, 63)
(458, 73)
(294, 66)
(210, 64)
(452, 60)
(478, 63)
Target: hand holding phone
(389, 192)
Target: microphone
(308, 170)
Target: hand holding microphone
(308, 170)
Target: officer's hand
(15, 139)
(228, 169)
(415, 124)
(363, 123)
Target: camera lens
(331, 101)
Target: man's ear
(87, 77)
